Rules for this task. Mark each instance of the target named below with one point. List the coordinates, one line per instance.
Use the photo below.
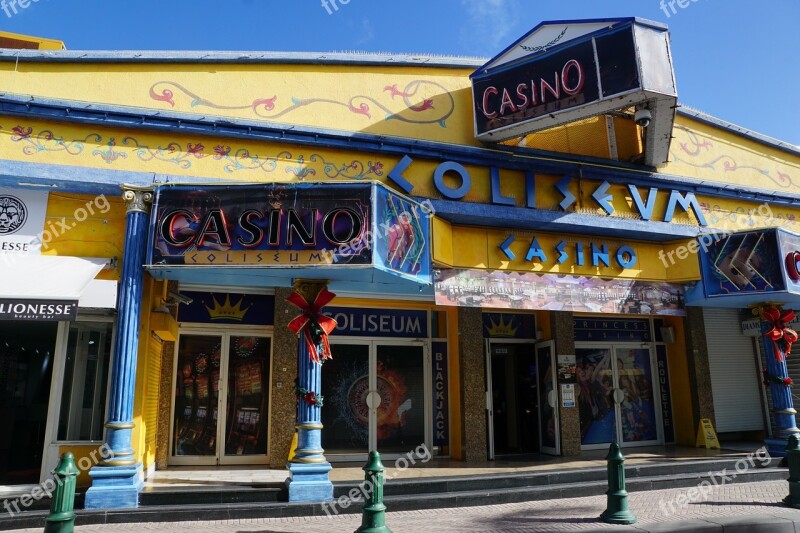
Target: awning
(40, 287)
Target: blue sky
(735, 59)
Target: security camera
(180, 298)
(643, 117)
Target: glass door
(549, 438)
(375, 398)
(221, 400)
(346, 414)
(616, 396)
(399, 407)
(513, 398)
(246, 399)
(639, 423)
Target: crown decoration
(227, 311)
(502, 328)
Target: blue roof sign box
(563, 71)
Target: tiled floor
(238, 476)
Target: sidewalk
(743, 505)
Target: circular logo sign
(13, 214)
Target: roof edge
(173, 56)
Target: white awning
(47, 277)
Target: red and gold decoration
(782, 336)
(312, 324)
(777, 380)
(309, 396)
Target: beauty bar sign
(44, 310)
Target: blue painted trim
(504, 157)
(84, 180)
(238, 58)
(560, 222)
(738, 130)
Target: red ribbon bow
(314, 326)
(779, 333)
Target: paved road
(652, 508)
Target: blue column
(308, 481)
(782, 403)
(116, 481)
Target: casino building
(538, 254)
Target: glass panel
(547, 392)
(637, 410)
(401, 386)
(196, 395)
(515, 397)
(248, 396)
(26, 367)
(83, 398)
(345, 386)
(595, 395)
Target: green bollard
(374, 517)
(62, 516)
(793, 458)
(617, 511)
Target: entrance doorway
(221, 402)
(26, 368)
(376, 398)
(521, 398)
(616, 395)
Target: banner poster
(402, 243)
(550, 292)
(742, 263)
(261, 225)
(666, 393)
(227, 308)
(22, 216)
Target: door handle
(551, 398)
(619, 396)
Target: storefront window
(26, 367)
(86, 370)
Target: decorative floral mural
(231, 159)
(419, 102)
(696, 150)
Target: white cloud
(490, 24)
(367, 33)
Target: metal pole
(62, 515)
(374, 515)
(617, 511)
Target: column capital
(309, 288)
(137, 198)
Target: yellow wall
(89, 456)
(682, 417)
(99, 235)
(414, 102)
(484, 253)
(188, 157)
